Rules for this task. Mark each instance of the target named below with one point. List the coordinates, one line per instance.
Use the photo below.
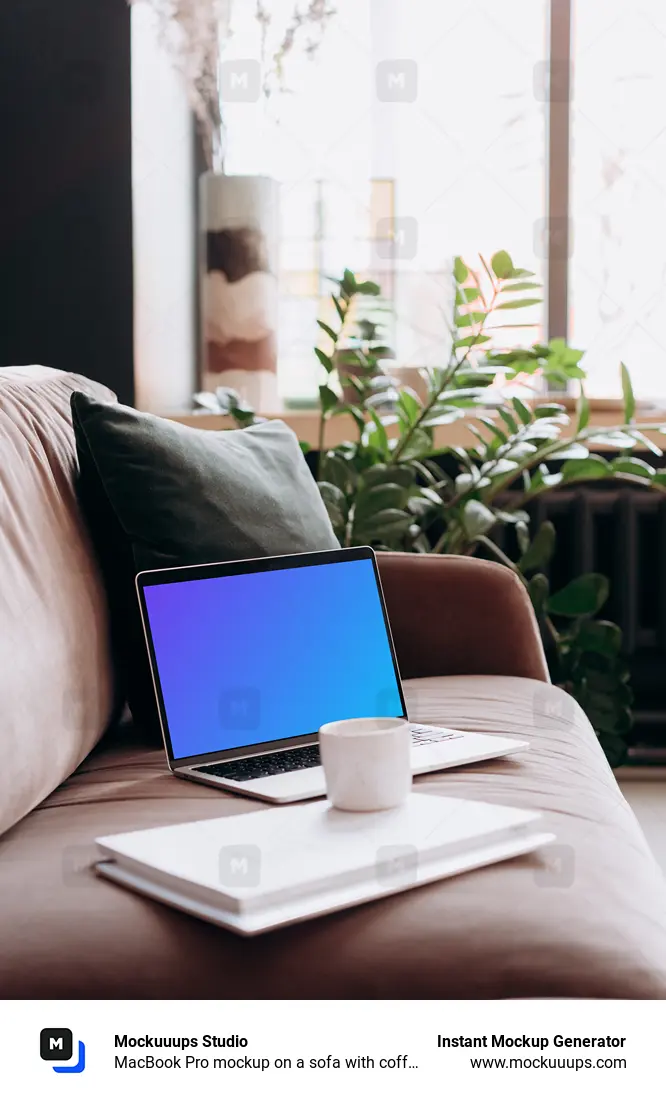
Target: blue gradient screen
(263, 656)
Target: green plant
(393, 488)
(354, 345)
(227, 402)
(583, 652)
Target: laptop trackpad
(287, 786)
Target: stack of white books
(256, 871)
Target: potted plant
(393, 487)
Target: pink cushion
(56, 681)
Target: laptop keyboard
(293, 760)
(270, 763)
(430, 735)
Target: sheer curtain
(416, 132)
(618, 260)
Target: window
(414, 135)
(428, 128)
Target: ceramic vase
(239, 286)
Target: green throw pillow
(157, 494)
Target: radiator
(620, 532)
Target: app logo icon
(240, 865)
(240, 709)
(397, 864)
(240, 81)
(56, 1044)
(397, 80)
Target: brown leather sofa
(585, 918)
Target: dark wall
(65, 188)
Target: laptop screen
(258, 657)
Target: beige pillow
(56, 681)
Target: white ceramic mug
(367, 762)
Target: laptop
(250, 658)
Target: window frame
(557, 171)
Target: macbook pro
(250, 658)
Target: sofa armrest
(454, 616)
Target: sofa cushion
(586, 918)
(157, 494)
(56, 683)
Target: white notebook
(255, 871)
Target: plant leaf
(522, 536)
(470, 341)
(628, 395)
(209, 401)
(432, 420)
(460, 270)
(522, 286)
(522, 410)
(482, 443)
(583, 411)
(230, 403)
(502, 264)
(540, 550)
(619, 440)
(328, 330)
(324, 359)
(348, 281)
(473, 480)
(498, 466)
(571, 450)
(381, 474)
(608, 683)
(550, 410)
(519, 303)
(506, 416)
(583, 596)
(338, 472)
(329, 491)
(335, 502)
(409, 404)
(647, 442)
(377, 499)
(419, 445)
(543, 478)
(420, 506)
(385, 525)
(492, 427)
(538, 588)
(468, 294)
(477, 519)
(369, 287)
(328, 399)
(583, 469)
(600, 637)
(458, 395)
(632, 465)
(339, 308)
(374, 434)
(543, 428)
(473, 317)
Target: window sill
(604, 414)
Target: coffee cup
(367, 762)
